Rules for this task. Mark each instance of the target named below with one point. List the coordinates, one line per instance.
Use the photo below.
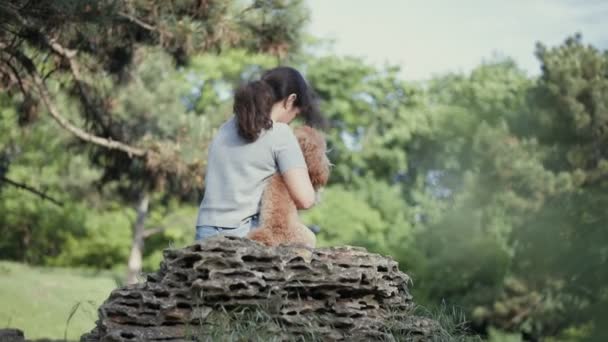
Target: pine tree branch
(46, 98)
(138, 21)
(69, 55)
(32, 190)
(13, 74)
(65, 123)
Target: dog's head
(314, 149)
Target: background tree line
(490, 188)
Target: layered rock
(339, 293)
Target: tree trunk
(137, 246)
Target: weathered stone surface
(338, 292)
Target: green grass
(41, 301)
(256, 324)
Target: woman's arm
(300, 188)
(292, 166)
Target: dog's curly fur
(279, 221)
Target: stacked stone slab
(338, 292)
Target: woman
(252, 146)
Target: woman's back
(238, 170)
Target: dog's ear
(314, 149)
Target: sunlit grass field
(44, 302)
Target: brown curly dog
(279, 221)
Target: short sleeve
(287, 151)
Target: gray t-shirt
(237, 172)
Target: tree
(88, 50)
(372, 115)
(564, 245)
(516, 168)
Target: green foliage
(372, 115)
(105, 243)
(37, 230)
(345, 218)
(572, 109)
(569, 231)
(457, 260)
(177, 223)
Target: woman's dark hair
(253, 101)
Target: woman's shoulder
(280, 132)
(281, 128)
(229, 124)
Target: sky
(432, 37)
